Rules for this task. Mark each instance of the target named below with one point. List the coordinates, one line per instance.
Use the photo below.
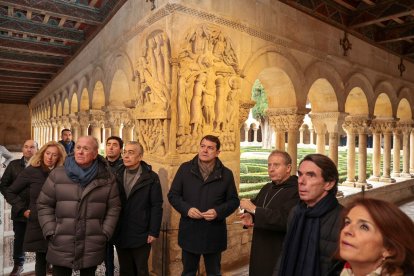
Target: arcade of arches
(169, 76)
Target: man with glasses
(140, 219)
(204, 193)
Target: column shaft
(362, 158)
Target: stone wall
(14, 125)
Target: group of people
(299, 227)
(72, 206)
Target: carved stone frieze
(244, 109)
(154, 73)
(208, 89)
(152, 135)
(97, 118)
(285, 119)
(83, 118)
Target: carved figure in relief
(159, 59)
(220, 107)
(196, 102)
(231, 102)
(166, 56)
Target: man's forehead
(112, 141)
(208, 143)
(28, 143)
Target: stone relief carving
(208, 88)
(152, 134)
(154, 72)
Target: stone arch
(322, 96)
(325, 78)
(65, 110)
(54, 109)
(84, 100)
(59, 103)
(120, 76)
(270, 64)
(98, 96)
(74, 106)
(356, 102)
(383, 106)
(359, 80)
(406, 93)
(404, 112)
(386, 100)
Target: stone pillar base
(340, 194)
(406, 175)
(374, 178)
(395, 174)
(348, 183)
(363, 184)
(387, 179)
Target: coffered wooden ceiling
(384, 23)
(38, 38)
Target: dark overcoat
(274, 203)
(10, 174)
(31, 178)
(218, 192)
(141, 212)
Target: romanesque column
(311, 136)
(301, 133)
(128, 133)
(97, 118)
(96, 130)
(376, 154)
(412, 151)
(294, 121)
(276, 120)
(396, 152)
(83, 118)
(74, 126)
(246, 134)
(406, 130)
(350, 128)
(55, 130)
(387, 128)
(255, 128)
(319, 125)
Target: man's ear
(329, 185)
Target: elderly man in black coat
(268, 214)
(140, 219)
(204, 193)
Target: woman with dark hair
(51, 155)
(377, 239)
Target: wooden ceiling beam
(27, 46)
(33, 28)
(381, 19)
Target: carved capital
(83, 118)
(244, 109)
(356, 124)
(385, 126)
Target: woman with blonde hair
(377, 239)
(30, 181)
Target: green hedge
(253, 178)
(256, 169)
(243, 168)
(250, 194)
(246, 187)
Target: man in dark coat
(30, 147)
(67, 143)
(140, 220)
(268, 213)
(204, 193)
(315, 222)
(113, 149)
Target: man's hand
(209, 214)
(150, 239)
(247, 205)
(195, 213)
(247, 219)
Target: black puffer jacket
(10, 174)
(31, 178)
(141, 212)
(78, 221)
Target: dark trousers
(41, 264)
(191, 262)
(109, 260)
(19, 228)
(66, 271)
(134, 261)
